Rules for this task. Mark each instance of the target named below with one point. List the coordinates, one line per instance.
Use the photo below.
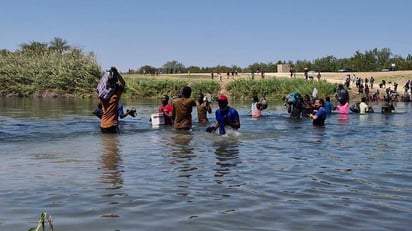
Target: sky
(129, 34)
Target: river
(273, 174)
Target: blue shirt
(120, 109)
(321, 114)
(226, 117)
(328, 107)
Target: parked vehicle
(388, 69)
(345, 70)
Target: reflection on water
(343, 119)
(182, 153)
(352, 174)
(181, 139)
(111, 164)
(227, 156)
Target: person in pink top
(343, 109)
(342, 96)
(256, 107)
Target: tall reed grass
(150, 87)
(241, 89)
(26, 74)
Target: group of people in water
(178, 113)
(318, 109)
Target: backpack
(293, 98)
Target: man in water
(328, 105)
(182, 110)
(225, 116)
(320, 116)
(110, 88)
(387, 106)
(363, 107)
(166, 109)
(294, 103)
(203, 107)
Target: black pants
(112, 129)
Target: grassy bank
(275, 85)
(155, 86)
(240, 88)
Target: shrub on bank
(146, 87)
(242, 89)
(37, 69)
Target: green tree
(173, 67)
(358, 61)
(302, 64)
(194, 69)
(326, 64)
(382, 57)
(34, 48)
(146, 69)
(370, 61)
(59, 45)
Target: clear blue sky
(133, 33)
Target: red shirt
(167, 110)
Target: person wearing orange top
(109, 121)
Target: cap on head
(222, 98)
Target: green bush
(146, 87)
(32, 71)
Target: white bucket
(158, 119)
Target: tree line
(369, 61)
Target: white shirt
(363, 107)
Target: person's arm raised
(120, 77)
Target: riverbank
(399, 77)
